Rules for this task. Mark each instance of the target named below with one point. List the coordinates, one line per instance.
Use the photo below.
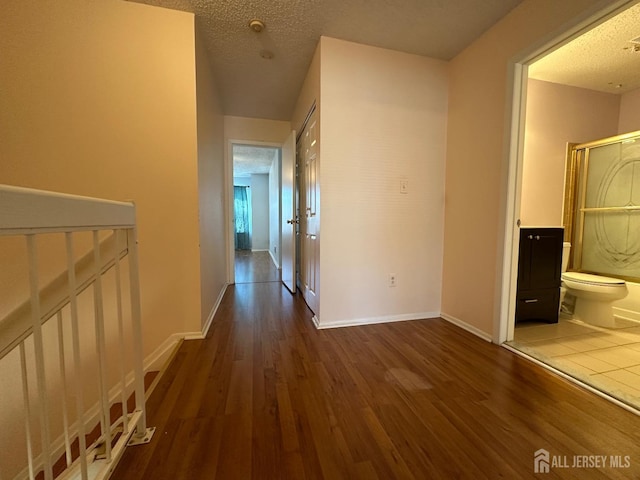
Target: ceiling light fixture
(256, 25)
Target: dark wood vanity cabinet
(539, 270)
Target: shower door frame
(574, 209)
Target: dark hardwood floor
(267, 396)
(255, 267)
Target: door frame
(228, 186)
(514, 151)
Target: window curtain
(241, 211)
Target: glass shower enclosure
(602, 206)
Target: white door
(289, 220)
(309, 220)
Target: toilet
(595, 295)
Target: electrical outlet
(404, 186)
(392, 279)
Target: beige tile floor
(605, 358)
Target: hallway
(267, 396)
(255, 267)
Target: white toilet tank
(566, 248)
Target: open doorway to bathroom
(566, 104)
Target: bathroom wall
(629, 112)
(557, 114)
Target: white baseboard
(374, 320)
(275, 262)
(259, 250)
(155, 361)
(207, 324)
(465, 326)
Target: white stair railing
(51, 424)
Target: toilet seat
(589, 279)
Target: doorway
(254, 253)
(583, 347)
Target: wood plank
(266, 395)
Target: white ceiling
(603, 59)
(248, 159)
(252, 86)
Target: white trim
(228, 188)
(25, 210)
(193, 336)
(156, 360)
(275, 262)
(511, 185)
(374, 320)
(573, 380)
(259, 250)
(465, 326)
(207, 323)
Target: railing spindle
(77, 359)
(29, 213)
(136, 324)
(123, 379)
(65, 391)
(39, 356)
(105, 417)
(27, 409)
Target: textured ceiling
(603, 59)
(248, 159)
(252, 86)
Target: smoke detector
(256, 25)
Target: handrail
(26, 212)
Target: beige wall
(99, 100)
(476, 163)
(309, 93)
(213, 261)
(557, 115)
(629, 112)
(383, 120)
(256, 129)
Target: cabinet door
(546, 259)
(524, 260)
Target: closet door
(310, 221)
